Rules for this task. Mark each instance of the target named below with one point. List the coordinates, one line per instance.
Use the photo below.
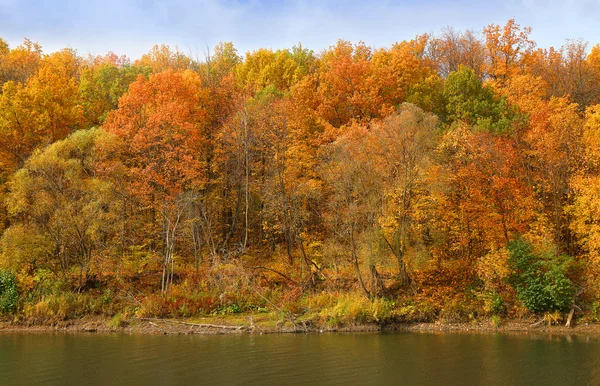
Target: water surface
(289, 359)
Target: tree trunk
(403, 275)
(355, 263)
(247, 176)
(377, 286)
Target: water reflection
(314, 359)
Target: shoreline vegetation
(448, 181)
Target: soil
(224, 325)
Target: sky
(132, 27)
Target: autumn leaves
(437, 151)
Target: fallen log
(199, 325)
(537, 323)
(570, 318)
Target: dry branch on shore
(198, 325)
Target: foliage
(62, 209)
(540, 278)
(352, 309)
(352, 185)
(9, 295)
(472, 102)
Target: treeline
(447, 176)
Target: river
(298, 359)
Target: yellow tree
(20, 63)
(36, 113)
(102, 82)
(585, 208)
(162, 58)
(507, 48)
(554, 155)
(353, 198)
(263, 68)
(41, 111)
(62, 210)
(400, 148)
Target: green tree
(468, 100)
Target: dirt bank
(250, 324)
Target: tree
(397, 71)
(507, 49)
(585, 209)
(43, 110)
(540, 279)
(377, 185)
(36, 113)
(18, 64)
(354, 195)
(454, 49)
(567, 71)
(554, 156)
(344, 91)
(161, 121)
(479, 200)
(290, 187)
(469, 101)
(264, 68)
(102, 83)
(400, 147)
(62, 210)
(162, 58)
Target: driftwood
(537, 323)
(570, 317)
(574, 308)
(198, 325)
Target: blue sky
(132, 27)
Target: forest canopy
(450, 176)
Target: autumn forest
(453, 177)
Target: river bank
(260, 324)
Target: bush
(540, 279)
(460, 308)
(493, 303)
(58, 307)
(354, 309)
(117, 321)
(176, 305)
(496, 321)
(9, 295)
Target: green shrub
(496, 320)
(540, 280)
(117, 321)
(228, 310)
(595, 311)
(9, 295)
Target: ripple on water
(289, 359)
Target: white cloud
(134, 26)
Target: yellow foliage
(493, 267)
